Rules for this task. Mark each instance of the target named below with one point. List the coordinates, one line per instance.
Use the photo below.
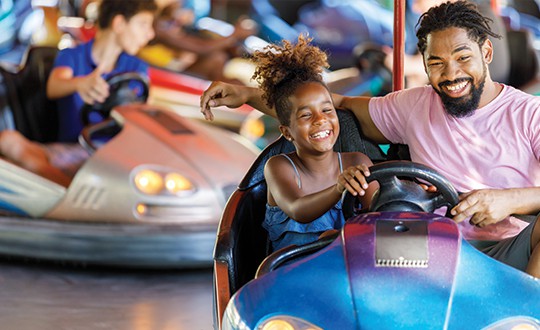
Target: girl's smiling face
(314, 123)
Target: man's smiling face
(457, 69)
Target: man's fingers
(209, 95)
(464, 209)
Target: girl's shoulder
(278, 161)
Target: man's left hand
(484, 207)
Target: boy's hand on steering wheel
(93, 88)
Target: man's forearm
(527, 200)
(253, 97)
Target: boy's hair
(282, 69)
(108, 9)
(460, 14)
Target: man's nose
(452, 70)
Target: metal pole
(399, 44)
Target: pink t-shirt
(497, 147)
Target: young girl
(305, 187)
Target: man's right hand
(221, 94)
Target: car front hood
(378, 275)
(403, 255)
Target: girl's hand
(353, 179)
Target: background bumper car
(150, 195)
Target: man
(482, 135)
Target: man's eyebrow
(457, 50)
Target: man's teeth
(457, 87)
(321, 134)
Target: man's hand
(221, 94)
(485, 207)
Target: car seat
(242, 242)
(523, 57)
(34, 115)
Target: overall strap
(295, 171)
(340, 163)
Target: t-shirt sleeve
(64, 58)
(391, 113)
(535, 133)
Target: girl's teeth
(321, 134)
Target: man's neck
(491, 91)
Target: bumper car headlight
(285, 322)
(176, 183)
(515, 323)
(155, 182)
(149, 182)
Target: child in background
(79, 76)
(305, 187)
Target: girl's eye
(328, 110)
(435, 64)
(464, 58)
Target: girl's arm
(284, 190)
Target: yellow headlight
(149, 182)
(176, 183)
(278, 325)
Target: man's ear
(487, 51)
(285, 132)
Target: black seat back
(242, 241)
(34, 115)
(523, 58)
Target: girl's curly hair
(282, 69)
(460, 14)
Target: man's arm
(489, 206)
(232, 96)
(359, 105)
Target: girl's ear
(285, 132)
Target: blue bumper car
(398, 266)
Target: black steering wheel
(405, 195)
(124, 88)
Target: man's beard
(464, 106)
